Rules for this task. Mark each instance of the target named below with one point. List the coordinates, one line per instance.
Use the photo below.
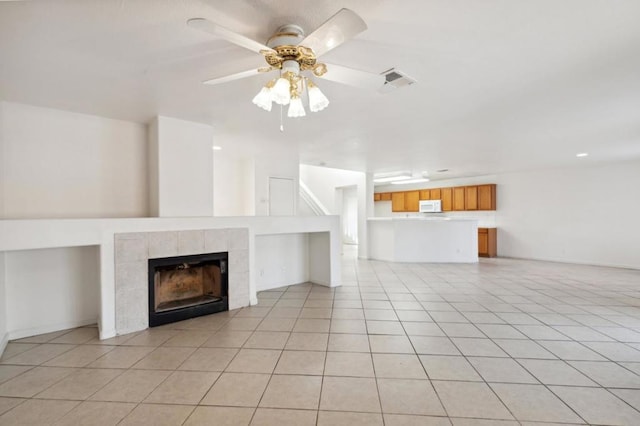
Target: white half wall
(51, 289)
(184, 168)
(580, 215)
(323, 182)
(59, 164)
(281, 260)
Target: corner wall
(59, 164)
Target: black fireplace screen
(187, 286)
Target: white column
(180, 168)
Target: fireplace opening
(184, 287)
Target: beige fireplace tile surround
(133, 250)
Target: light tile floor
(503, 342)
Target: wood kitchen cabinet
(411, 201)
(446, 195)
(458, 198)
(487, 242)
(487, 197)
(397, 201)
(471, 198)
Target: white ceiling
(503, 85)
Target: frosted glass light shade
(263, 99)
(295, 108)
(280, 93)
(317, 100)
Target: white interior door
(281, 197)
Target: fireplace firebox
(184, 287)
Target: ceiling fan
(290, 52)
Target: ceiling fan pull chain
(281, 125)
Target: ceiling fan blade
(233, 37)
(341, 27)
(351, 77)
(232, 77)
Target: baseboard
(3, 343)
(49, 328)
(572, 262)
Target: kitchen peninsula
(423, 239)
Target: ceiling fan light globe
(263, 99)
(317, 100)
(281, 92)
(296, 109)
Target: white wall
(580, 215)
(2, 172)
(153, 171)
(4, 337)
(232, 185)
(280, 161)
(185, 168)
(51, 289)
(281, 260)
(59, 164)
(323, 183)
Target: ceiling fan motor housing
(285, 43)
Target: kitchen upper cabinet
(446, 195)
(487, 197)
(471, 198)
(397, 202)
(458, 198)
(487, 242)
(411, 201)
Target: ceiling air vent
(395, 79)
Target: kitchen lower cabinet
(487, 242)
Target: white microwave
(430, 206)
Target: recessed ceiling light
(582, 154)
(216, 148)
(390, 177)
(416, 180)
